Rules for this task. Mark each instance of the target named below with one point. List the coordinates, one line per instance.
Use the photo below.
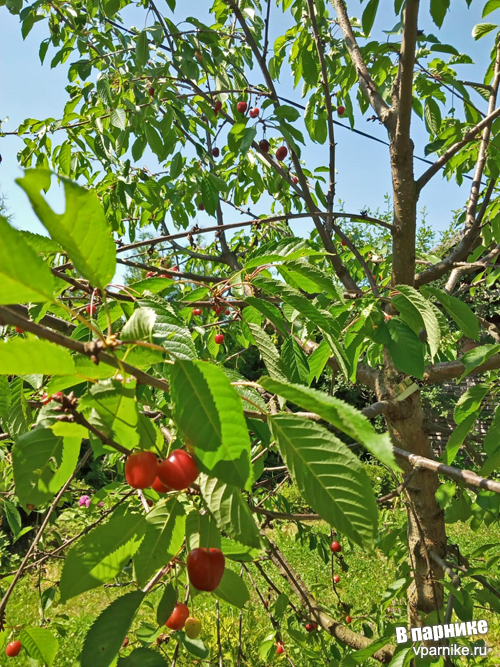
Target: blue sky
(28, 90)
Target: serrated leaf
(142, 49)
(142, 657)
(338, 413)
(82, 230)
(107, 633)
(368, 16)
(28, 356)
(140, 325)
(166, 604)
(162, 541)
(268, 352)
(118, 118)
(13, 517)
(209, 414)
(42, 463)
(318, 360)
(482, 29)
(103, 89)
(16, 284)
(476, 357)
(5, 399)
(230, 510)
(195, 646)
(40, 644)
(432, 115)
(270, 311)
(470, 401)
(40, 244)
(490, 6)
(405, 348)
(295, 361)
(232, 589)
(329, 476)
(427, 314)
(210, 196)
(439, 9)
(169, 330)
(101, 555)
(461, 313)
(202, 531)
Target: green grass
(361, 590)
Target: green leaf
(202, 531)
(81, 231)
(270, 311)
(482, 29)
(287, 112)
(16, 284)
(342, 415)
(230, 510)
(140, 325)
(427, 313)
(405, 348)
(40, 644)
(42, 464)
(13, 517)
(491, 446)
(318, 360)
(107, 633)
(118, 118)
(142, 50)
(295, 361)
(111, 7)
(461, 313)
(432, 115)
(329, 476)
(169, 330)
(477, 356)
(313, 278)
(195, 646)
(103, 89)
(5, 399)
(209, 414)
(143, 657)
(32, 356)
(268, 352)
(368, 16)
(360, 657)
(490, 6)
(232, 589)
(457, 438)
(210, 196)
(470, 401)
(101, 555)
(166, 604)
(438, 11)
(163, 539)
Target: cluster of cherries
(205, 567)
(336, 548)
(218, 309)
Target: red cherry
(205, 568)
(279, 648)
(151, 91)
(58, 396)
(19, 330)
(254, 112)
(335, 547)
(126, 642)
(201, 207)
(174, 268)
(227, 312)
(150, 503)
(196, 311)
(217, 309)
(295, 179)
(308, 627)
(30, 507)
(178, 617)
(242, 106)
(343, 242)
(91, 308)
(336, 578)
(141, 469)
(217, 105)
(264, 145)
(266, 604)
(46, 399)
(281, 153)
(340, 110)
(215, 152)
(348, 619)
(198, 56)
(219, 338)
(159, 486)
(178, 471)
(150, 274)
(13, 649)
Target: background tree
(95, 370)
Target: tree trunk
(426, 527)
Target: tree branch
(448, 370)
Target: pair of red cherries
(177, 472)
